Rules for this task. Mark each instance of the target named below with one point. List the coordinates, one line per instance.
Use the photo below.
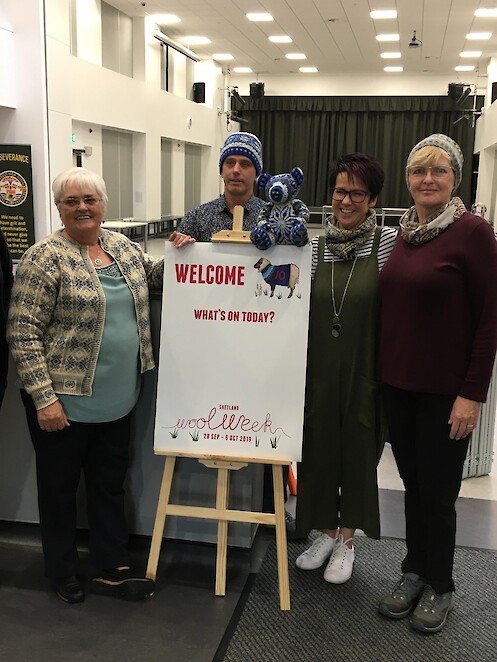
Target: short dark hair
(361, 166)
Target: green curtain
(310, 132)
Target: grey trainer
(403, 598)
(432, 611)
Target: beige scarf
(415, 232)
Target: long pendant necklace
(335, 325)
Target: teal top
(116, 384)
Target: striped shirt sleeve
(387, 240)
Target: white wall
(382, 84)
(83, 95)
(25, 75)
(486, 147)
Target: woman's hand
(463, 417)
(180, 239)
(52, 418)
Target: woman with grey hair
(439, 335)
(79, 332)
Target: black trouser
(430, 464)
(101, 451)
(268, 489)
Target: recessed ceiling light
(193, 40)
(383, 13)
(486, 13)
(222, 57)
(308, 70)
(242, 70)
(283, 39)
(165, 19)
(393, 70)
(470, 54)
(296, 56)
(390, 56)
(464, 67)
(387, 37)
(261, 16)
(477, 36)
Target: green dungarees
(343, 430)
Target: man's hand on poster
(179, 239)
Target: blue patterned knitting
(283, 219)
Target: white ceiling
(338, 36)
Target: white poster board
(233, 351)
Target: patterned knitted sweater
(57, 312)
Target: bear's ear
(263, 180)
(298, 175)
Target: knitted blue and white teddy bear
(283, 219)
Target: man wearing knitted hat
(439, 336)
(240, 164)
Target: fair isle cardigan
(57, 312)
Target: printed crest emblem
(13, 188)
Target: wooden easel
(224, 465)
(237, 234)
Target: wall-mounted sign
(16, 198)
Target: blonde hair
(80, 176)
(427, 156)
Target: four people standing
(439, 334)
(343, 431)
(80, 336)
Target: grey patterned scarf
(344, 243)
(415, 232)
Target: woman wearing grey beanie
(439, 335)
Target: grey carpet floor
(340, 622)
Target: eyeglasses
(438, 172)
(88, 201)
(339, 194)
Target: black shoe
(69, 589)
(291, 528)
(122, 584)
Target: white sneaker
(339, 568)
(318, 552)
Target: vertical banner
(16, 198)
(233, 351)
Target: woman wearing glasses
(79, 332)
(343, 436)
(439, 333)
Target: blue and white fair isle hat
(448, 145)
(243, 144)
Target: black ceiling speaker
(256, 90)
(455, 90)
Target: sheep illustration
(284, 275)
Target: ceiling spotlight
(414, 43)
(383, 13)
(387, 37)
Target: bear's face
(281, 188)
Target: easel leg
(222, 530)
(281, 544)
(160, 517)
